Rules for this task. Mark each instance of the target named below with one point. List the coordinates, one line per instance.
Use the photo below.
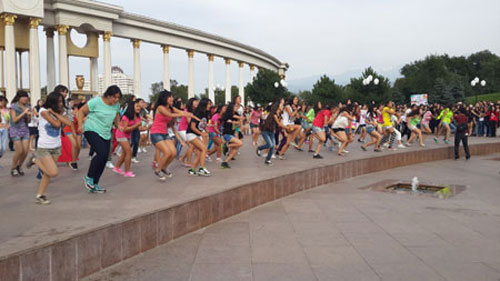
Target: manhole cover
(443, 191)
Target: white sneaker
(345, 151)
(109, 165)
(135, 161)
(386, 145)
(401, 146)
(144, 150)
(273, 156)
(209, 159)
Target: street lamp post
(368, 80)
(282, 82)
(475, 82)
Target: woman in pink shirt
(214, 132)
(129, 122)
(425, 123)
(255, 122)
(164, 144)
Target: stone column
(252, 73)
(94, 75)
(106, 49)
(34, 61)
(63, 55)
(137, 68)
(191, 73)
(10, 56)
(241, 90)
(228, 80)
(211, 94)
(166, 67)
(51, 60)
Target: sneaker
(377, 150)
(209, 159)
(203, 172)
(99, 189)
(402, 146)
(74, 166)
(144, 150)
(268, 163)
(317, 156)
(109, 165)
(386, 145)
(129, 174)
(42, 199)
(167, 173)
(118, 171)
(298, 148)
(155, 164)
(447, 141)
(282, 157)
(225, 165)
(135, 161)
(273, 156)
(160, 175)
(310, 150)
(186, 165)
(363, 148)
(422, 145)
(89, 183)
(20, 170)
(31, 161)
(192, 172)
(436, 140)
(345, 151)
(218, 160)
(257, 152)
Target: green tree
(365, 94)
(262, 89)
(177, 89)
(326, 91)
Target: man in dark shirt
(461, 133)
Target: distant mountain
(306, 83)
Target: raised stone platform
(82, 233)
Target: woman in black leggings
(101, 113)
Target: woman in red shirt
(493, 115)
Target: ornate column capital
(165, 48)
(8, 19)
(106, 36)
(62, 29)
(241, 64)
(136, 43)
(210, 57)
(190, 53)
(228, 61)
(282, 76)
(252, 67)
(34, 22)
(49, 32)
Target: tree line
(444, 78)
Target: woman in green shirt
(102, 113)
(413, 119)
(445, 118)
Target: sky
(315, 37)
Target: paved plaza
(341, 232)
(281, 232)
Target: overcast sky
(314, 37)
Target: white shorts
(191, 136)
(182, 134)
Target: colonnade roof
(107, 17)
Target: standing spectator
(461, 133)
(493, 115)
(4, 125)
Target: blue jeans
(270, 143)
(480, 128)
(4, 141)
(135, 139)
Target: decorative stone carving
(34, 22)
(165, 48)
(9, 19)
(62, 29)
(80, 82)
(107, 36)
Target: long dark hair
(229, 112)
(20, 94)
(163, 100)
(52, 101)
(190, 104)
(130, 112)
(201, 110)
(112, 90)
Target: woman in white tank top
(290, 111)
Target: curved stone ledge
(92, 251)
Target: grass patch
(487, 97)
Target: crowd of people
(55, 130)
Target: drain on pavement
(443, 191)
